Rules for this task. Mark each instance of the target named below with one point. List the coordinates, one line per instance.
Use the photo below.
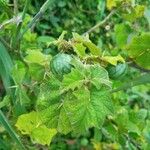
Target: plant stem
(22, 19)
(36, 17)
(144, 79)
(15, 7)
(101, 22)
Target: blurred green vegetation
(23, 67)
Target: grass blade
(5, 74)
(5, 67)
(7, 126)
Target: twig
(36, 17)
(101, 22)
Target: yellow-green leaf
(93, 48)
(139, 50)
(27, 122)
(113, 59)
(31, 124)
(43, 135)
(85, 41)
(79, 48)
(111, 4)
(37, 57)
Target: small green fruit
(61, 64)
(117, 71)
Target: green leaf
(43, 135)
(27, 122)
(31, 125)
(99, 77)
(49, 104)
(122, 32)
(135, 13)
(36, 71)
(94, 50)
(139, 10)
(79, 38)
(111, 4)
(111, 130)
(80, 111)
(89, 73)
(88, 108)
(18, 72)
(79, 48)
(22, 96)
(55, 116)
(49, 92)
(61, 37)
(37, 57)
(125, 122)
(139, 50)
(73, 80)
(113, 59)
(133, 128)
(85, 95)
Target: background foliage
(75, 74)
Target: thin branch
(36, 17)
(101, 22)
